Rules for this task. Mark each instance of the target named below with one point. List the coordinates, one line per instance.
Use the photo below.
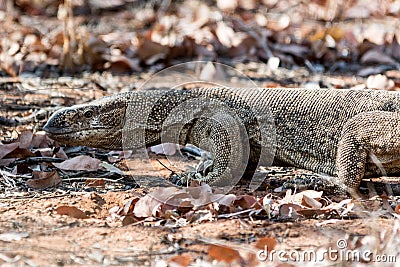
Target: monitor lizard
(348, 134)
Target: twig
(87, 178)
(162, 164)
(225, 216)
(32, 160)
(261, 38)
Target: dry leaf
(376, 56)
(225, 34)
(148, 51)
(266, 242)
(79, 163)
(25, 139)
(71, 211)
(127, 220)
(279, 22)
(395, 48)
(245, 201)
(210, 73)
(128, 207)
(380, 82)
(123, 64)
(289, 211)
(95, 183)
(20, 153)
(311, 202)
(397, 209)
(168, 149)
(5, 149)
(310, 213)
(222, 253)
(146, 206)
(182, 260)
(40, 139)
(227, 6)
(42, 180)
(299, 197)
(6, 162)
(222, 199)
(111, 168)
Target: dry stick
(229, 215)
(96, 179)
(162, 164)
(259, 37)
(31, 160)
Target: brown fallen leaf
(146, 206)
(397, 209)
(95, 183)
(79, 163)
(40, 139)
(25, 139)
(266, 242)
(149, 49)
(5, 149)
(127, 220)
(42, 180)
(289, 211)
(181, 260)
(128, 206)
(71, 211)
(20, 153)
(245, 201)
(122, 64)
(222, 253)
(310, 213)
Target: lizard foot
(204, 167)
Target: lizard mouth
(55, 130)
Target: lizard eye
(88, 113)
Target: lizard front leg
(226, 139)
(367, 135)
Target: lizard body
(350, 134)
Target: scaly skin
(332, 132)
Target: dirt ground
(55, 240)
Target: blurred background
(51, 38)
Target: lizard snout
(59, 123)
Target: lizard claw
(203, 168)
(184, 179)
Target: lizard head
(96, 124)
